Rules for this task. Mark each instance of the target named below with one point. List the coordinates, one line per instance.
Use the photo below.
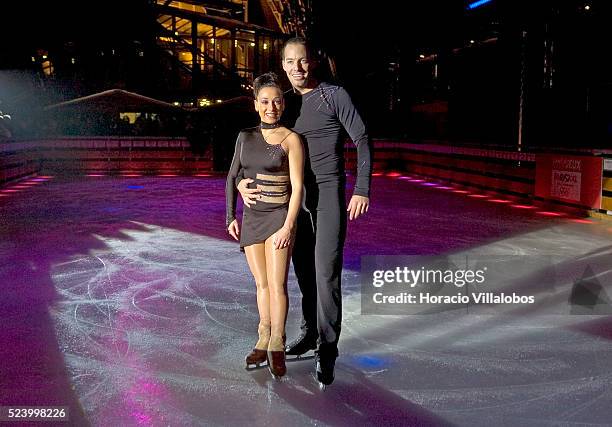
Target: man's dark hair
(269, 79)
(312, 53)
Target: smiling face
(298, 66)
(269, 104)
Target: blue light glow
(370, 361)
(135, 187)
(478, 3)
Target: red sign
(573, 179)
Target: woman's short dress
(268, 166)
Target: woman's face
(269, 104)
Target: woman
(272, 157)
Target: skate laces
(264, 337)
(277, 343)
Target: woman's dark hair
(269, 79)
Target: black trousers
(317, 259)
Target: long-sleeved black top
(266, 164)
(321, 117)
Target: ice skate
(325, 361)
(258, 357)
(276, 357)
(300, 348)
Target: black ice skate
(297, 348)
(325, 362)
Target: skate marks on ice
(514, 367)
(151, 327)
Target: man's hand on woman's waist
(249, 195)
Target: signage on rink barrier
(574, 179)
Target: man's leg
(304, 266)
(330, 236)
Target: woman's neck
(264, 125)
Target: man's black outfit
(323, 117)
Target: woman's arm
(295, 152)
(230, 192)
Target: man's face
(297, 65)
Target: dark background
(549, 56)
(565, 103)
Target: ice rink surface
(125, 300)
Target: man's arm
(249, 195)
(356, 129)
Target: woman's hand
(234, 229)
(282, 238)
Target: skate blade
(275, 377)
(256, 366)
(322, 386)
(309, 355)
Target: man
(321, 114)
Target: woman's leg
(256, 258)
(277, 266)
